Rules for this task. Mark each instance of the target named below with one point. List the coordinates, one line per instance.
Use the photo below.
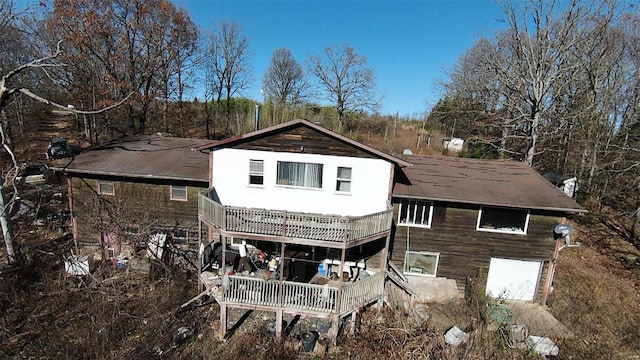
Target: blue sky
(407, 43)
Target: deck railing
(359, 293)
(332, 228)
(301, 296)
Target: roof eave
(127, 175)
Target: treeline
(557, 88)
(93, 54)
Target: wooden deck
(329, 230)
(301, 298)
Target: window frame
(524, 230)
(101, 191)
(257, 174)
(408, 203)
(407, 271)
(320, 172)
(175, 187)
(340, 180)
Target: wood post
(223, 320)
(279, 323)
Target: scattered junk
(453, 144)
(139, 265)
(155, 246)
(119, 263)
(454, 336)
(182, 335)
(34, 174)
(543, 345)
(77, 265)
(308, 340)
(323, 326)
(500, 313)
(271, 328)
(514, 335)
(21, 210)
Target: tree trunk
(7, 229)
(533, 137)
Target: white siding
(369, 183)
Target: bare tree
(537, 43)
(284, 81)
(345, 80)
(227, 62)
(115, 47)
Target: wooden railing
(332, 228)
(361, 292)
(301, 296)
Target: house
(296, 219)
(313, 202)
(123, 193)
(458, 218)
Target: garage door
(513, 279)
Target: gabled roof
(233, 141)
(481, 182)
(143, 157)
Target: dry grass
(597, 297)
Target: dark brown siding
(303, 139)
(465, 251)
(146, 206)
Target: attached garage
(513, 279)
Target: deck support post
(333, 331)
(279, 324)
(223, 320)
(354, 317)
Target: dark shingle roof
(481, 182)
(297, 123)
(151, 157)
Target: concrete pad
(538, 319)
(428, 289)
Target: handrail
(303, 296)
(332, 228)
(361, 292)
(295, 295)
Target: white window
(503, 220)
(343, 182)
(256, 172)
(178, 192)
(299, 174)
(421, 263)
(415, 213)
(106, 188)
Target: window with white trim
(343, 180)
(256, 172)
(306, 175)
(106, 188)
(503, 220)
(178, 192)
(415, 213)
(421, 263)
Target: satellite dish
(563, 229)
(407, 152)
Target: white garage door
(513, 279)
